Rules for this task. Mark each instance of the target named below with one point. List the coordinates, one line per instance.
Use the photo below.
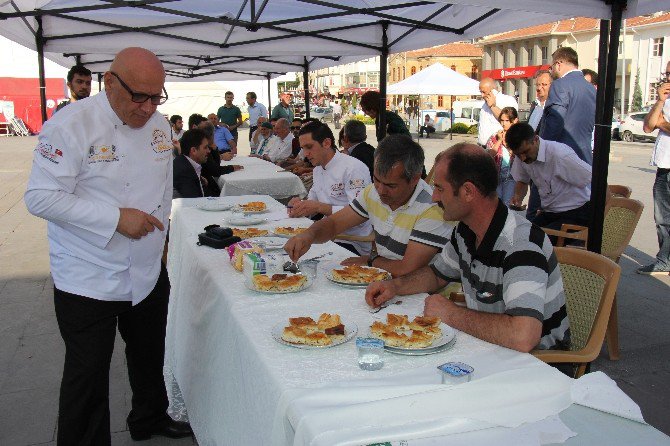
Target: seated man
(256, 134)
(563, 180)
(338, 179)
(428, 127)
(511, 279)
(280, 147)
(224, 140)
(187, 167)
(354, 135)
(212, 168)
(409, 228)
(264, 137)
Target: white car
(323, 114)
(630, 128)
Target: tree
(637, 94)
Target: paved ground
(31, 351)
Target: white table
(260, 177)
(231, 374)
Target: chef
(102, 178)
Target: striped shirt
(419, 220)
(514, 271)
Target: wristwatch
(372, 257)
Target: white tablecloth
(260, 177)
(237, 382)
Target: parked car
(323, 114)
(630, 128)
(616, 135)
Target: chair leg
(581, 369)
(612, 334)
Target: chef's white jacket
(87, 165)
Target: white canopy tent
(436, 79)
(205, 39)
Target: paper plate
(350, 330)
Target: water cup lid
(369, 342)
(455, 368)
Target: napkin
(364, 415)
(598, 391)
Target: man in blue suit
(569, 113)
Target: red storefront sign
(25, 94)
(515, 72)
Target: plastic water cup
(370, 353)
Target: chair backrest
(589, 283)
(621, 219)
(429, 177)
(619, 190)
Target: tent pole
(603, 133)
(383, 64)
(269, 97)
(305, 81)
(451, 118)
(99, 82)
(39, 44)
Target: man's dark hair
(297, 119)
(175, 118)
(252, 95)
(195, 119)
(308, 120)
(207, 128)
(191, 138)
(399, 149)
(228, 92)
(355, 131)
(370, 100)
(319, 132)
(78, 69)
(566, 54)
(592, 74)
(469, 165)
(517, 134)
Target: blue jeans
(505, 189)
(662, 216)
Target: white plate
(424, 352)
(447, 336)
(270, 243)
(329, 276)
(214, 206)
(284, 235)
(238, 208)
(350, 330)
(242, 220)
(249, 284)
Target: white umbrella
(436, 79)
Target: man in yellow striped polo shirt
(409, 228)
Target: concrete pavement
(31, 351)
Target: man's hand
(361, 260)
(135, 224)
(663, 91)
(437, 305)
(303, 208)
(379, 292)
(516, 201)
(227, 156)
(297, 246)
(237, 167)
(490, 99)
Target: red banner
(515, 72)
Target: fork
(384, 305)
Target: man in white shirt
(659, 118)
(494, 102)
(279, 148)
(337, 113)
(266, 137)
(563, 180)
(338, 179)
(428, 127)
(256, 110)
(105, 189)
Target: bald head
(486, 85)
(141, 72)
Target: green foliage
(637, 94)
(364, 119)
(460, 128)
(473, 130)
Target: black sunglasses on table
(140, 98)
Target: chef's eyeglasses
(140, 98)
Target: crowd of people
(106, 190)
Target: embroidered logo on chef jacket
(356, 183)
(337, 190)
(48, 152)
(102, 154)
(160, 141)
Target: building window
(420, 67)
(653, 94)
(473, 72)
(393, 75)
(545, 55)
(403, 72)
(412, 72)
(530, 47)
(529, 91)
(657, 49)
(440, 101)
(453, 67)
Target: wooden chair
(589, 281)
(621, 218)
(619, 190)
(429, 177)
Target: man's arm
(322, 231)
(186, 181)
(416, 256)
(555, 110)
(574, 170)
(420, 281)
(520, 333)
(239, 120)
(520, 191)
(651, 121)
(233, 145)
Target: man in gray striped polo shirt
(510, 275)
